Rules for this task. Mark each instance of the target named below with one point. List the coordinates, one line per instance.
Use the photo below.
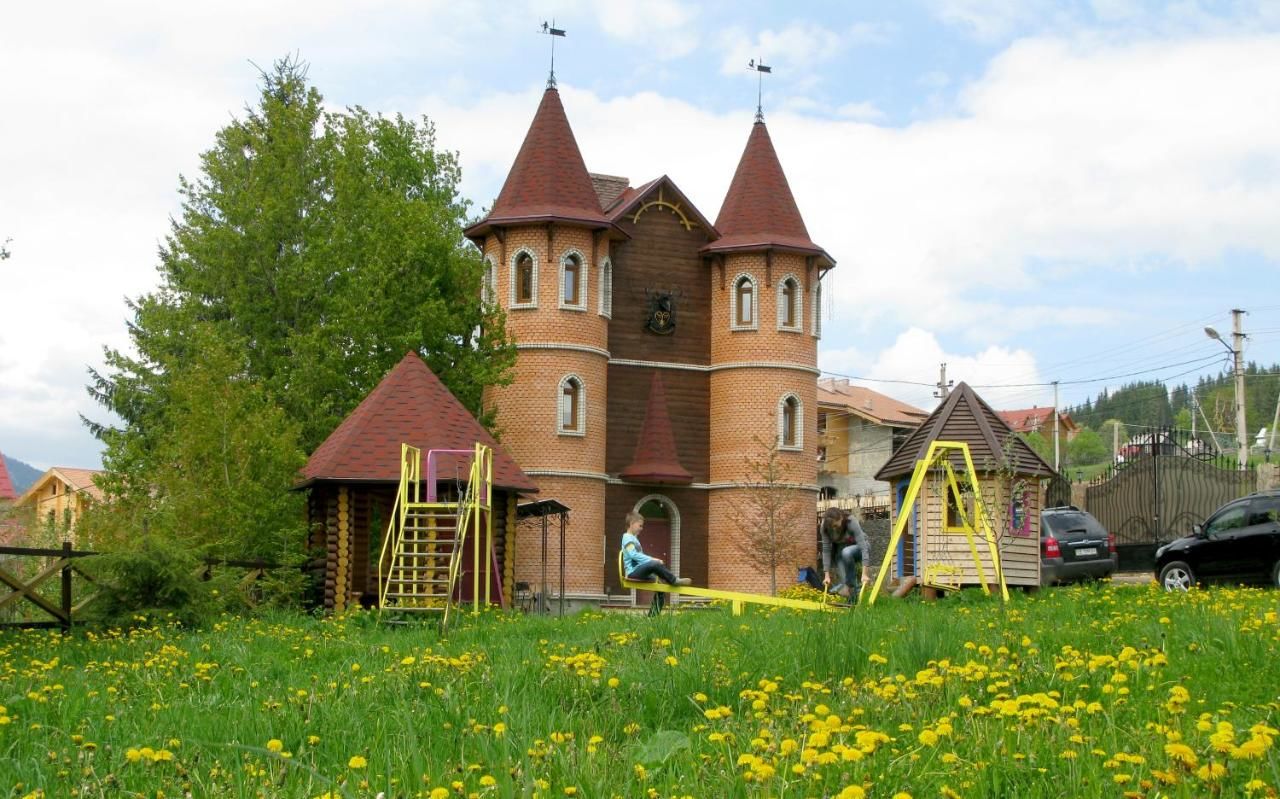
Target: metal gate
(1057, 492)
(1158, 492)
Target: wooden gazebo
(1010, 476)
(352, 479)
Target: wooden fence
(64, 564)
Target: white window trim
(489, 290)
(798, 327)
(515, 256)
(817, 309)
(605, 301)
(582, 407)
(583, 266)
(799, 445)
(755, 302)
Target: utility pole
(1056, 449)
(1193, 415)
(1115, 440)
(1237, 339)
(944, 388)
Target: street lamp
(1237, 358)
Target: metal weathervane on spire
(760, 69)
(550, 29)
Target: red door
(655, 538)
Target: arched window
(573, 281)
(790, 304)
(572, 417)
(790, 423)
(524, 280)
(743, 300)
(489, 291)
(817, 309)
(606, 288)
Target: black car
(1074, 546)
(1239, 543)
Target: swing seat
(943, 577)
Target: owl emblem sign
(662, 312)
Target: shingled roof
(655, 460)
(549, 181)
(965, 416)
(7, 491)
(759, 211)
(409, 406)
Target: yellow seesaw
(736, 599)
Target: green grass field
(1089, 691)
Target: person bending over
(842, 532)
(640, 566)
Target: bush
(153, 577)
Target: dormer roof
(759, 211)
(548, 181)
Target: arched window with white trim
(571, 419)
(489, 289)
(790, 304)
(605, 303)
(573, 281)
(524, 279)
(817, 309)
(743, 303)
(790, 423)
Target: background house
(859, 429)
(1039, 420)
(10, 530)
(55, 501)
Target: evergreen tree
(314, 249)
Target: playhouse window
(952, 519)
(1019, 518)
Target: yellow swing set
(947, 576)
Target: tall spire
(759, 211)
(655, 459)
(549, 180)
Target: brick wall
(584, 538)
(727, 567)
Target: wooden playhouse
(934, 549)
(352, 481)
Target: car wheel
(1177, 576)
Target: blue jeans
(649, 569)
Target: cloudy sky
(1029, 191)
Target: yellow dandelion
(357, 762)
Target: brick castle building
(655, 351)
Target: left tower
(546, 245)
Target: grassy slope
(1070, 692)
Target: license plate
(1086, 552)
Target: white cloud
(667, 27)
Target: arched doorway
(660, 536)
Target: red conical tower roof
(409, 406)
(655, 460)
(759, 211)
(549, 180)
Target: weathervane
(551, 30)
(760, 70)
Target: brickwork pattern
(766, 342)
(727, 568)
(744, 408)
(529, 408)
(549, 322)
(584, 538)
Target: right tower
(766, 321)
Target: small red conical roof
(759, 211)
(410, 406)
(6, 483)
(655, 460)
(549, 180)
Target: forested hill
(1152, 403)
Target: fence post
(66, 587)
